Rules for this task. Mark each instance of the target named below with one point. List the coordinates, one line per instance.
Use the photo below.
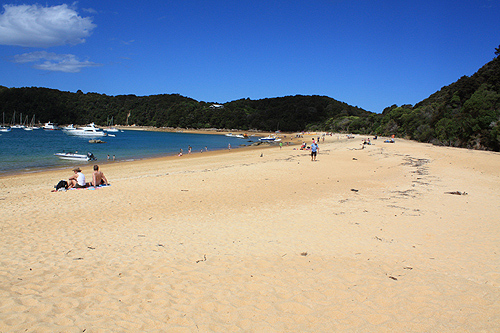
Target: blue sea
(31, 151)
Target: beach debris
(91, 248)
(354, 159)
(304, 254)
(408, 267)
(204, 259)
(456, 193)
(354, 190)
(392, 277)
(96, 141)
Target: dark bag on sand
(61, 184)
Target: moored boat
(110, 127)
(31, 125)
(70, 127)
(4, 128)
(270, 139)
(91, 130)
(76, 156)
(50, 126)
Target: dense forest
(292, 113)
(465, 113)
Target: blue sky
(370, 54)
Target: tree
(497, 50)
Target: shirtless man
(98, 177)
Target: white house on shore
(217, 106)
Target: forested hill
(464, 114)
(290, 113)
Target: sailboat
(31, 125)
(14, 125)
(111, 128)
(3, 128)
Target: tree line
(291, 113)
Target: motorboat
(76, 157)
(91, 130)
(50, 126)
(270, 139)
(70, 127)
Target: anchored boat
(76, 157)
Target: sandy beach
(401, 237)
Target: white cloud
(37, 26)
(43, 60)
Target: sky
(366, 53)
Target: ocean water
(31, 151)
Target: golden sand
(259, 240)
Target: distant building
(217, 106)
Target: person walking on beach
(77, 180)
(314, 150)
(98, 177)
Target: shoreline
(10, 173)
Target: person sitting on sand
(98, 177)
(77, 180)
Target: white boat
(31, 125)
(50, 126)
(110, 127)
(4, 128)
(70, 127)
(91, 130)
(76, 157)
(229, 134)
(13, 122)
(270, 139)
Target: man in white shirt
(77, 180)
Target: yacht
(50, 126)
(91, 130)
